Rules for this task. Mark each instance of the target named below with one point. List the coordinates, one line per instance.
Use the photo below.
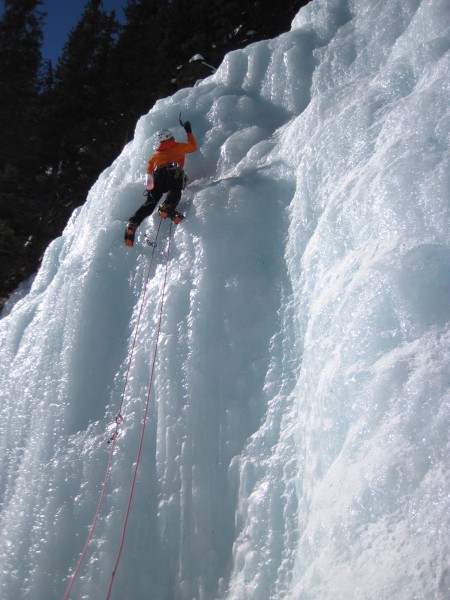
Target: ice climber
(165, 173)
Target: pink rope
(144, 422)
(113, 438)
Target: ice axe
(179, 118)
(186, 125)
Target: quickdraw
(118, 420)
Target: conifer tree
(20, 60)
(78, 113)
(20, 201)
(141, 61)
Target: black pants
(167, 179)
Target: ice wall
(297, 440)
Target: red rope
(138, 457)
(136, 331)
(118, 421)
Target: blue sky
(62, 16)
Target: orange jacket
(171, 151)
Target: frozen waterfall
(297, 441)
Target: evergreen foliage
(76, 116)
(20, 197)
(62, 125)
(20, 58)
